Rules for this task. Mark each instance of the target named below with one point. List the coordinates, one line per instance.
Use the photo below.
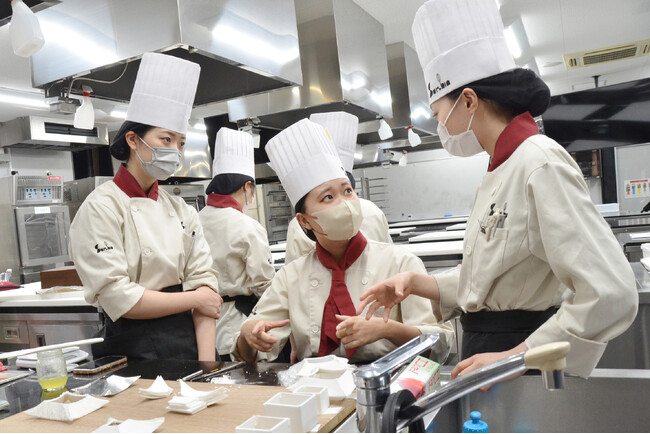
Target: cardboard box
(421, 377)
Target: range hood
(410, 103)
(35, 132)
(344, 68)
(244, 47)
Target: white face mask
(341, 222)
(164, 161)
(461, 145)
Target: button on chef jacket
(240, 251)
(299, 292)
(374, 227)
(553, 238)
(123, 244)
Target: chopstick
(221, 371)
(18, 353)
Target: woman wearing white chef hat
(533, 229)
(140, 252)
(342, 128)
(239, 244)
(315, 296)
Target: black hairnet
(227, 183)
(519, 90)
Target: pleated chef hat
(458, 42)
(233, 153)
(343, 129)
(303, 156)
(164, 91)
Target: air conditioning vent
(69, 130)
(607, 54)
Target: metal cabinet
(27, 329)
(278, 212)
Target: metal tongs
(214, 373)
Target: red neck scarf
(518, 130)
(339, 301)
(128, 184)
(223, 201)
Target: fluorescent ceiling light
(513, 43)
(26, 99)
(118, 113)
(200, 126)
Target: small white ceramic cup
(301, 408)
(321, 396)
(259, 423)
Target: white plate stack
(186, 404)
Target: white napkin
(186, 404)
(209, 397)
(67, 407)
(130, 426)
(159, 389)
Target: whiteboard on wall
(429, 189)
(633, 177)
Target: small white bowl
(321, 395)
(301, 408)
(259, 423)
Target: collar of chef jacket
(514, 134)
(128, 184)
(223, 201)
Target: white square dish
(321, 393)
(300, 408)
(259, 423)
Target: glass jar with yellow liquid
(51, 370)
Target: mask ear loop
(452, 109)
(138, 155)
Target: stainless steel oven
(34, 225)
(192, 194)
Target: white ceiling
(552, 28)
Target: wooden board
(243, 402)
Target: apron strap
(243, 303)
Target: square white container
(259, 423)
(321, 395)
(301, 408)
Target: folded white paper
(67, 407)
(159, 389)
(130, 426)
(107, 386)
(209, 396)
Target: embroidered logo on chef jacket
(104, 248)
(441, 85)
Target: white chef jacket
(299, 292)
(374, 227)
(553, 236)
(122, 246)
(240, 251)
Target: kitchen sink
(611, 400)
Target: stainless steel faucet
(373, 381)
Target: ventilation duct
(35, 132)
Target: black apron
(489, 332)
(170, 337)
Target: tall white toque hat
(233, 153)
(164, 91)
(459, 42)
(343, 129)
(304, 157)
